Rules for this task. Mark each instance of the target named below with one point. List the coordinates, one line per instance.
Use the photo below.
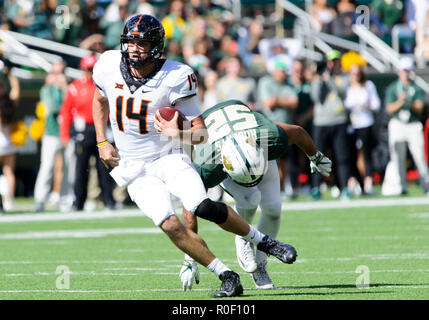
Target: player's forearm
(100, 107)
(197, 134)
(297, 135)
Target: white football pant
(171, 174)
(267, 195)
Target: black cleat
(231, 286)
(282, 251)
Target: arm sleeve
(184, 87)
(374, 99)
(191, 107)
(97, 77)
(348, 103)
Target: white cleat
(245, 254)
(261, 278)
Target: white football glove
(188, 272)
(320, 163)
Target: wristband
(102, 143)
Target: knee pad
(216, 212)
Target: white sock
(254, 236)
(217, 267)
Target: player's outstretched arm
(100, 111)
(297, 135)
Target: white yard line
(360, 203)
(85, 233)
(127, 213)
(211, 289)
(65, 262)
(203, 272)
(310, 205)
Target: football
(168, 113)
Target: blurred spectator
(174, 24)
(234, 86)
(216, 32)
(7, 149)
(173, 51)
(52, 95)
(200, 7)
(418, 19)
(11, 85)
(114, 28)
(344, 6)
(9, 80)
(388, 11)
(9, 97)
(111, 14)
(198, 59)
(248, 42)
(277, 101)
(92, 14)
(31, 17)
(21, 14)
(330, 121)
(94, 42)
(77, 110)
(209, 93)
(276, 97)
(70, 28)
(405, 103)
(303, 116)
(341, 25)
(321, 14)
(196, 31)
(284, 50)
(228, 47)
(362, 100)
(142, 7)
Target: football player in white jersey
(133, 84)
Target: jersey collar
(133, 84)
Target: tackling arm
(297, 135)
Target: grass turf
(125, 257)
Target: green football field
(361, 249)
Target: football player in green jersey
(240, 155)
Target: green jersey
(405, 113)
(234, 117)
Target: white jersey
(132, 109)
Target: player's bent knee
(272, 209)
(216, 212)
